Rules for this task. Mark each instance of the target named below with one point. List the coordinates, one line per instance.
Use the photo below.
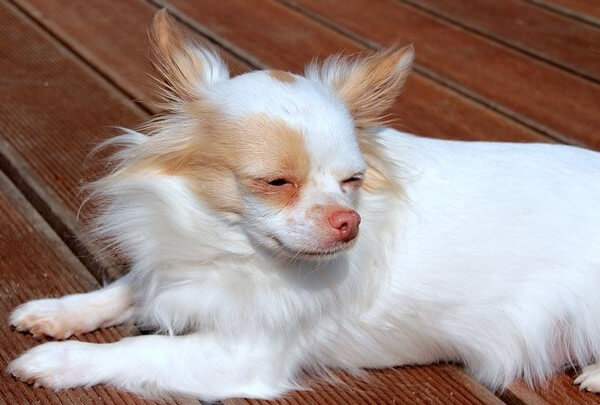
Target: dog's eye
(279, 182)
(353, 181)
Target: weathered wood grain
(561, 40)
(583, 10)
(114, 37)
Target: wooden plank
(556, 102)
(560, 390)
(53, 109)
(35, 263)
(113, 37)
(584, 10)
(556, 38)
(424, 108)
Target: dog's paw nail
(36, 332)
(589, 379)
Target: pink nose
(345, 224)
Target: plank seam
(508, 44)
(39, 223)
(441, 80)
(45, 210)
(582, 18)
(106, 72)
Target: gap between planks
(574, 14)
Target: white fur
(490, 256)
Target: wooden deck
(511, 70)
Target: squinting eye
(354, 180)
(279, 182)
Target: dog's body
(486, 254)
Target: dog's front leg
(197, 365)
(59, 318)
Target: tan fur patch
(273, 151)
(196, 147)
(280, 75)
(222, 159)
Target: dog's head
(284, 155)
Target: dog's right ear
(368, 86)
(187, 68)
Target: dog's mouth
(313, 254)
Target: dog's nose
(345, 224)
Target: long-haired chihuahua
(273, 225)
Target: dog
(274, 225)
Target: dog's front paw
(589, 379)
(55, 365)
(43, 317)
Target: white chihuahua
(240, 218)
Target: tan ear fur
(369, 86)
(185, 66)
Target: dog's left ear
(186, 67)
(368, 86)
